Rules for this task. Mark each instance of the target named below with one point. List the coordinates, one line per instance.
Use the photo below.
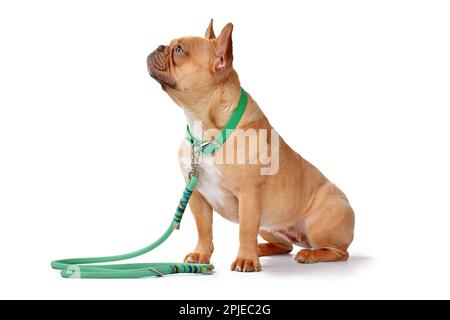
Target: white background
(88, 141)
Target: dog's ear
(223, 49)
(209, 34)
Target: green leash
(89, 267)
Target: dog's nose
(161, 48)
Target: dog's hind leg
(275, 245)
(329, 231)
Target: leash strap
(94, 267)
(88, 267)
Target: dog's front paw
(197, 257)
(246, 264)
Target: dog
(296, 205)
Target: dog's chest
(209, 185)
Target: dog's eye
(179, 49)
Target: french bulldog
(295, 205)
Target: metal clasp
(196, 152)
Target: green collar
(208, 147)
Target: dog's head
(190, 67)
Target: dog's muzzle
(157, 59)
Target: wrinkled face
(189, 67)
(182, 65)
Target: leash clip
(195, 159)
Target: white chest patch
(209, 183)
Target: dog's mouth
(158, 69)
(163, 82)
